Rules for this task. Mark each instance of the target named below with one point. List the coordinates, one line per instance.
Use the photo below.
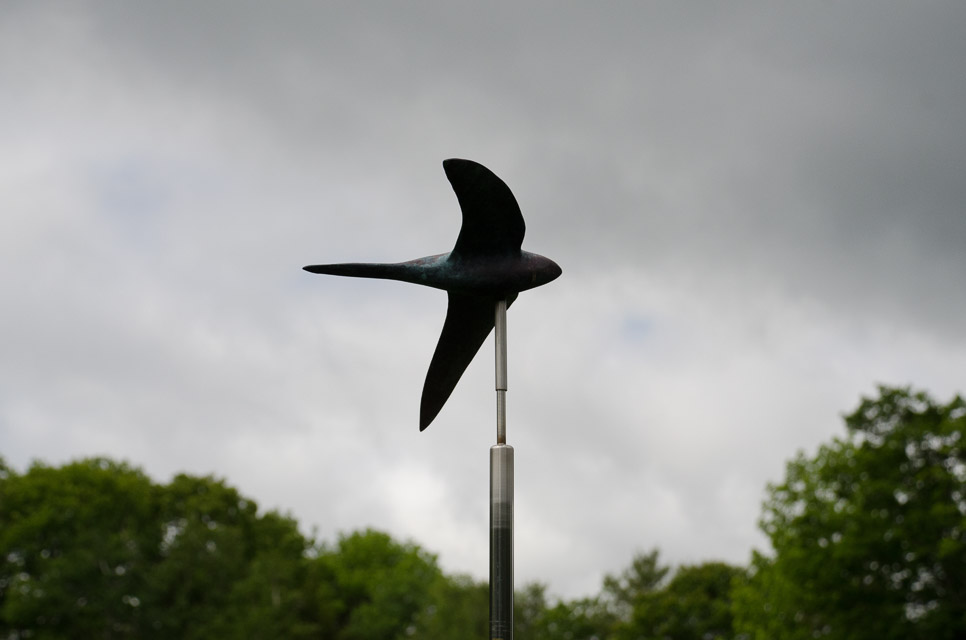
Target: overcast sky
(759, 209)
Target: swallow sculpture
(486, 265)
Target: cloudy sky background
(758, 208)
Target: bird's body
(497, 277)
(485, 266)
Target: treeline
(868, 541)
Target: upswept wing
(492, 222)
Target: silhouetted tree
(869, 535)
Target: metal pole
(501, 500)
(499, 333)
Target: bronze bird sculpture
(486, 265)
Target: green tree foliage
(273, 597)
(868, 540)
(622, 592)
(869, 536)
(694, 605)
(76, 544)
(458, 608)
(375, 586)
(581, 619)
(95, 550)
(639, 603)
(529, 607)
(224, 570)
(535, 618)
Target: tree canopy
(867, 541)
(869, 535)
(95, 549)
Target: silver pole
(499, 332)
(501, 500)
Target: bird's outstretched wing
(492, 222)
(469, 319)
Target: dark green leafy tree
(596, 618)
(373, 587)
(694, 605)
(639, 603)
(225, 570)
(869, 535)
(94, 549)
(458, 607)
(207, 531)
(581, 619)
(273, 598)
(529, 607)
(623, 591)
(76, 547)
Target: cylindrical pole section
(499, 333)
(501, 542)
(501, 500)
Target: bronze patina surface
(486, 265)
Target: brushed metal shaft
(501, 542)
(499, 333)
